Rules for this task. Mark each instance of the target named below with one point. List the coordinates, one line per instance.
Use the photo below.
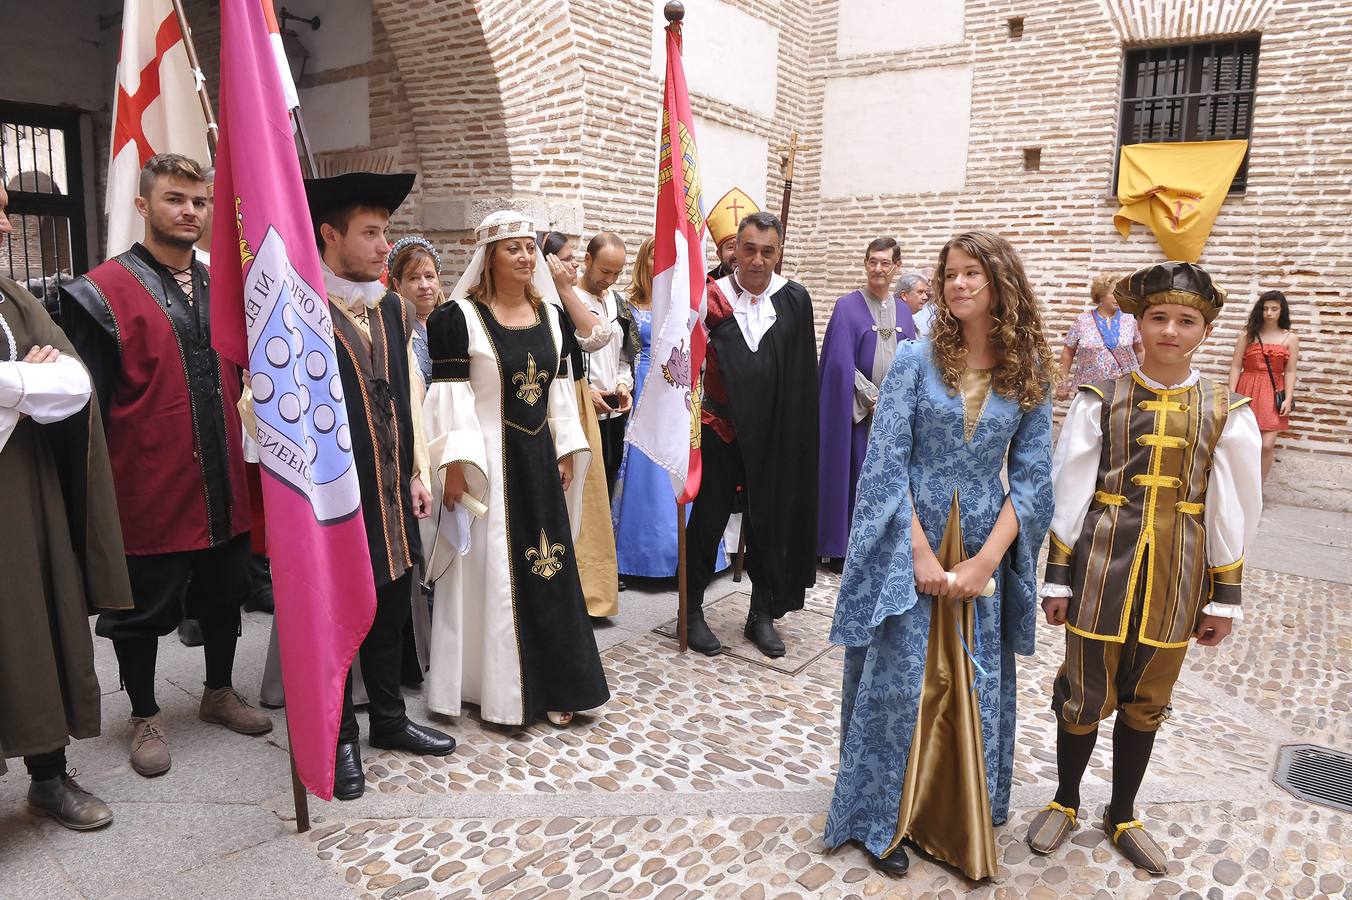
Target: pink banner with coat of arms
(270, 314)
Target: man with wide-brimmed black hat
(372, 328)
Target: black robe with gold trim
(375, 377)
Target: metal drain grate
(1317, 775)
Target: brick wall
(1058, 88)
(556, 113)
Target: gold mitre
(728, 213)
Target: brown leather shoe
(1139, 848)
(62, 799)
(1050, 828)
(149, 748)
(224, 706)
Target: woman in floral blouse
(1102, 344)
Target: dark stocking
(45, 766)
(219, 637)
(1131, 756)
(1072, 758)
(136, 661)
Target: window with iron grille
(43, 174)
(1189, 92)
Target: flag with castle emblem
(155, 110)
(666, 424)
(270, 314)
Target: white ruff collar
(352, 294)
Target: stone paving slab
(1296, 663)
(700, 747)
(692, 724)
(805, 634)
(674, 723)
(1218, 850)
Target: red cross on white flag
(156, 110)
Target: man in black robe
(60, 551)
(760, 431)
(372, 327)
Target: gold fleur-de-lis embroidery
(546, 559)
(531, 381)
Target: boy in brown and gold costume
(1157, 486)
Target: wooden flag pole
(682, 592)
(306, 155)
(199, 79)
(674, 12)
(300, 797)
(786, 167)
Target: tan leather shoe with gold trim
(1050, 828)
(1140, 849)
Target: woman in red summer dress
(1264, 368)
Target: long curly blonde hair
(1026, 367)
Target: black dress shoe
(760, 630)
(895, 863)
(414, 738)
(622, 586)
(349, 781)
(699, 635)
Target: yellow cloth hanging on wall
(1175, 190)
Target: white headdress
(500, 226)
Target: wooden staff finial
(790, 151)
(786, 168)
(674, 11)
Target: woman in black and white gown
(510, 629)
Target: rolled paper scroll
(987, 591)
(479, 510)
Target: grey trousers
(272, 694)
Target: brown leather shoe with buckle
(1050, 828)
(63, 799)
(149, 748)
(1140, 849)
(224, 706)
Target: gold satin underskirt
(595, 544)
(945, 805)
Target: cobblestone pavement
(757, 740)
(711, 777)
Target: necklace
(1109, 329)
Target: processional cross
(786, 162)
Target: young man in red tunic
(141, 323)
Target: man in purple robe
(861, 340)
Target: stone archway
(495, 97)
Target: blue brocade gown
(912, 696)
(644, 509)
